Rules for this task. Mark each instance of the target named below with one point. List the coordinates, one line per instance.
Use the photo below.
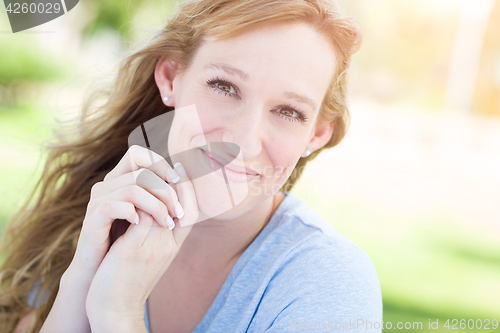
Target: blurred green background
(416, 181)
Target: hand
(113, 198)
(116, 198)
(129, 272)
(137, 259)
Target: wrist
(119, 325)
(68, 311)
(73, 277)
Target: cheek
(194, 119)
(210, 114)
(284, 152)
(186, 131)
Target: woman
(269, 78)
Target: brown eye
(288, 113)
(291, 114)
(224, 86)
(285, 111)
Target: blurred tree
(111, 14)
(469, 42)
(487, 92)
(24, 60)
(406, 51)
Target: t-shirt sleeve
(322, 285)
(31, 297)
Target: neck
(215, 245)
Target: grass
(428, 266)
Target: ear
(165, 73)
(320, 136)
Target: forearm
(121, 326)
(68, 313)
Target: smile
(232, 175)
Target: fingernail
(179, 212)
(136, 218)
(180, 169)
(170, 222)
(173, 175)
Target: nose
(246, 129)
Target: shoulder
(321, 274)
(309, 238)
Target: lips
(231, 166)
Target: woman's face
(259, 91)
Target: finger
(136, 234)
(109, 211)
(138, 157)
(146, 179)
(187, 198)
(144, 200)
(161, 240)
(96, 227)
(159, 188)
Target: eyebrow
(244, 76)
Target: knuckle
(135, 149)
(132, 191)
(95, 189)
(106, 207)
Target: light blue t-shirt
(298, 274)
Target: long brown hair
(41, 238)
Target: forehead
(294, 55)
